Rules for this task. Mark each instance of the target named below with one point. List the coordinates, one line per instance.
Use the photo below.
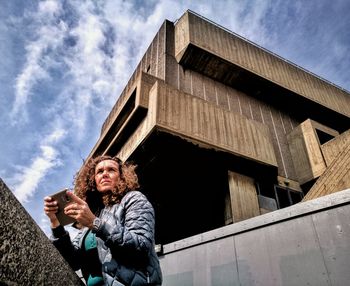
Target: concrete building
(227, 136)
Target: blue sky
(64, 64)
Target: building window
(286, 197)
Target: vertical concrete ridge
(27, 256)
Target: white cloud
(46, 35)
(32, 73)
(55, 136)
(89, 76)
(26, 180)
(30, 177)
(49, 8)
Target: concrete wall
(229, 98)
(305, 244)
(27, 257)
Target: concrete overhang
(202, 123)
(126, 115)
(209, 49)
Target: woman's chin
(104, 189)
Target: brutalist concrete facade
(226, 134)
(214, 120)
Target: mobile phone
(62, 200)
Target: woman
(115, 244)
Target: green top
(91, 247)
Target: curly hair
(85, 185)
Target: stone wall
(27, 257)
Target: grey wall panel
(254, 265)
(202, 264)
(183, 279)
(221, 262)
(333, 229)
(294, 253)
(306, 244)
(224, 275)
(179, 268)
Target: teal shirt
(90, 244)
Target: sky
(64, 64)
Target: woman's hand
(50, 209)
(79, 210)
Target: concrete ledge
(27, 255)
(298, 210)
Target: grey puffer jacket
(125, 243)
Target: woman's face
(106, 175)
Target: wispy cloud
(90, 66)
(28, 178)
(47, 35)
(78, 51)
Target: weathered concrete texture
(27, 257)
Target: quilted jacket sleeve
(68, 249)
(132, 229)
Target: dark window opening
(323, 137)
(272, 196)
(266, 196)
(286, 197)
